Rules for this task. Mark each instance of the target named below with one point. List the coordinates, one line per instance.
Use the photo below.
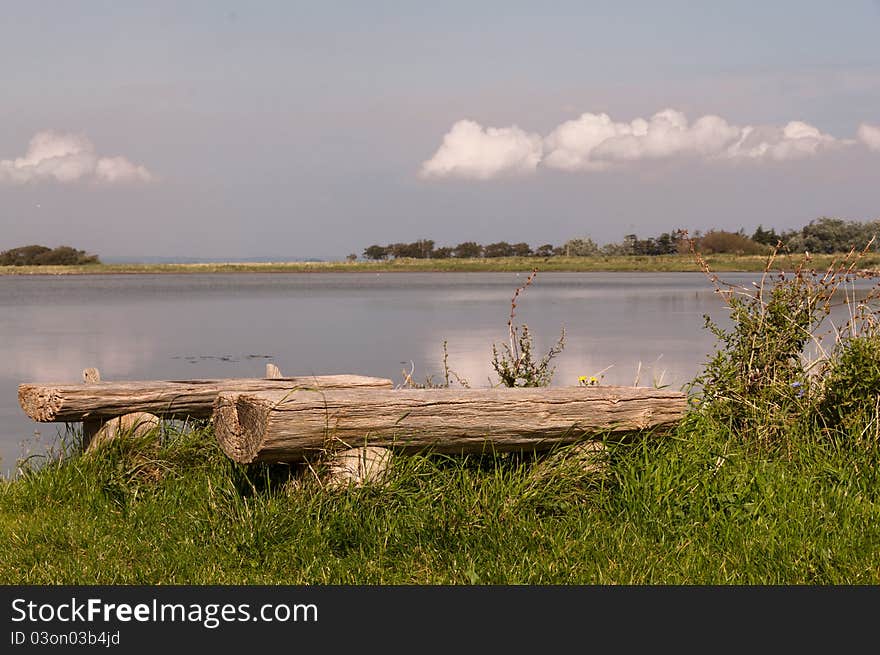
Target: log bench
(289, 426)
(290, 419)
(94, 402)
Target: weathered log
(71, 403)
(271, 426)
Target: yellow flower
(582, 379)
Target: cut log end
(39, 402)
(91, 375)
(240, 427)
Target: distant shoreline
(612, 264)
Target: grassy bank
(698, 507)
(662, 263)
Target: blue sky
(221, 129)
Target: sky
(291, 130)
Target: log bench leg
(90, 429)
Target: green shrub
(851, 381)
(761, 383)
(720, 241)
(756, 381)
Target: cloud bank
(594, 142)
(67, 159)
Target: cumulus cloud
(119, 169)
(68, 158)
(794, 141)
(870, 135)
(470, 151)
(595, 142)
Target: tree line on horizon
(37, 255)
(822, 235)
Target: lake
(624, 327)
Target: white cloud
(119, 169)
(68, 158)
(794, 141)
(470, 151)
(870, 135)
(595, 142)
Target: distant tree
(721, 241)
(645, 247)
(611, 249)
(499, 249)
(420, 249)
(23, 256)
(767, 237)
(376, 252)
(60, 256)
(584, 247)
(36, 255)
(625, 247)
(396, 250)
(829, 235)
(615, 249)
(351, 258)
(442, 253)
(424, 248)
(521, 249)
(669, 243)
(468, 249)
(545, 250)
(790, 238)
(682, 241)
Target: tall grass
(696, 508)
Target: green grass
(663, 263)
(698, 507)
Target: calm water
(192, 326)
